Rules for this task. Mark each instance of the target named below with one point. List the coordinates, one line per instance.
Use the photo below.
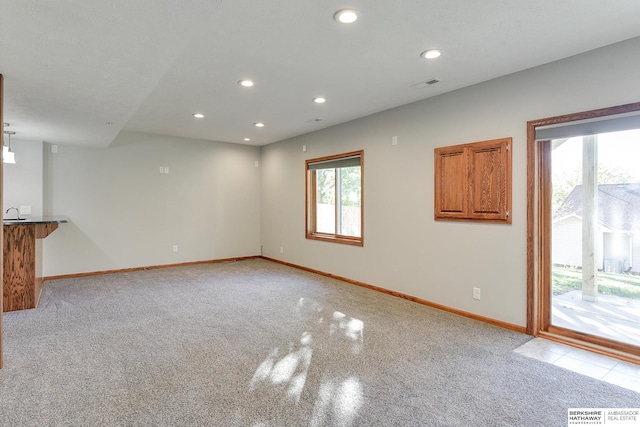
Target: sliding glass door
(595, 235)
(588, 192)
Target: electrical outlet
(25, 210)
(175, 248)
(394, 140)
(281, 249)
(476, 293)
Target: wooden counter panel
(19, 267)
(39, 282)
(43, 230)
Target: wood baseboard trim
(151, 267)
(499, 323)
(467, 314)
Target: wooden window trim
(310, 202)
(468, 187)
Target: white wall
(566, 246)
(124, 213)
(22, 181)
(404, 249)
(215, 203)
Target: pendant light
(8, 156)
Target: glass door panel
(595, 235)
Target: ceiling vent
(426, 83)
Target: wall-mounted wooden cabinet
(473, 182)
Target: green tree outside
(350, 186)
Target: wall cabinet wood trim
(473, 182)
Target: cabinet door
(473, 182)
(451, 182)
(489, 180)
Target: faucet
(17, 211)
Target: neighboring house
(617, 232)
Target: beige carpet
(254, 343)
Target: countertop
(57, 219)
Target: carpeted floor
(255, 343)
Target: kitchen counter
(37, 220)
(22, 263)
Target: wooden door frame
(539, 246)
(1, 210)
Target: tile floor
(614, 371)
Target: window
(334, 208)
(473, 182)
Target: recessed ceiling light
(431, 53)
(198, 115)
(346, 16)
(319, 100)
(247, 139)
(245, 83)
(259, 125)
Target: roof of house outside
(618, 206)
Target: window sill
(345, 240)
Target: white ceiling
(72, 66)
